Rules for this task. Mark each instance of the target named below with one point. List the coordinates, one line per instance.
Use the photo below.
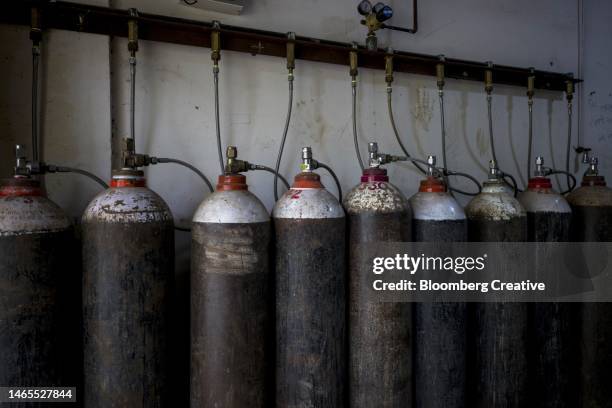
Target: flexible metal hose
(467, 176)
(443, 129)
(65, 169)
(274, 172)
(35, 64)
(331, 172)
(530, 141)
(218, 126)
(491, 141)
(354, 91)
(133, 98)
(282, 145)
(396, 132)
(514, 184)
(190, 167)
(569, 146)
(570, 177)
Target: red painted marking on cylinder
(232, 182)
(21, 191)
(539, 183)
(296, 194)
(432, 185)
(374, 175)
(307, 180)
(120, 183)
(591, 181)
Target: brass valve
(531, 84)
(215, 43)
(291, 52)
(35, 26)
(569, 87)
(440, 72)
(353, 61)
(389, 66)
(133, 30)
(489, 78)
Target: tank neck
(307, 179)
(374, 174)
(592, 181)
(494, 186)
(539, 183)
(232, 182)
(21, 187)
(125, 178)
(432, 185)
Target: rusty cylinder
(230, 299)
(128, 267)
(592, 222)
(380, 362)
(309, 225)
(555, 326)
(36, 249)
(498, 342)
(440, 328)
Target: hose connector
(215, 44)
(540, 170)
(353, 64)
(489, 78)
(494, 171)
(377, 159)
(290, 53)
(36, 26)
(432, 171)
(389, 68)
(233, 165)
(133, 31)
(531, 86)
(593, 167)
(308, 163)
(569, 87)
(440, 74)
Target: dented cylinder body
(36, 270)
(592, 222)
(380, 343)
(128, 267)
(440, 336)
(555, 326)
(498, 344)
(231, 322)
(309, 225)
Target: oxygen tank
(554, 325)
(311, 356)
(440, 328)
(128, 266)
(498, 342)
(230, 297)
(380, 362)
(591, 205)
(36, 249)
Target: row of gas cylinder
(293, 332)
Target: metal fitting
(531, 85)
(353, 62)
(378, 159)
(440, 74)
(569, 87)
(215, 43)
(233, 165)
(133, 31)
(593, 167)
(35, 26)
(494, 172)
(540, 170)
(290, 52)
(489, 78)
(389, 67)
(308, 163)
(431, 166)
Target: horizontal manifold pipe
(102, 20)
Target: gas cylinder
(554, 325)
(311, 356)
(498, 331)
(36, 246)
(380, 362)
(230, 298)
(128, 267)
(591, 205)
(440, 328)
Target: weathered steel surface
(128, 264)
(498, 346)
(310, 312)
(380, 343)
(440, 328)
(592, 222)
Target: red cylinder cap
(432, 185)
(590, 181)
(232, 182)
(128, 178)
(536, 183)
(374, 174)
(307, 180)
(20, 187)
